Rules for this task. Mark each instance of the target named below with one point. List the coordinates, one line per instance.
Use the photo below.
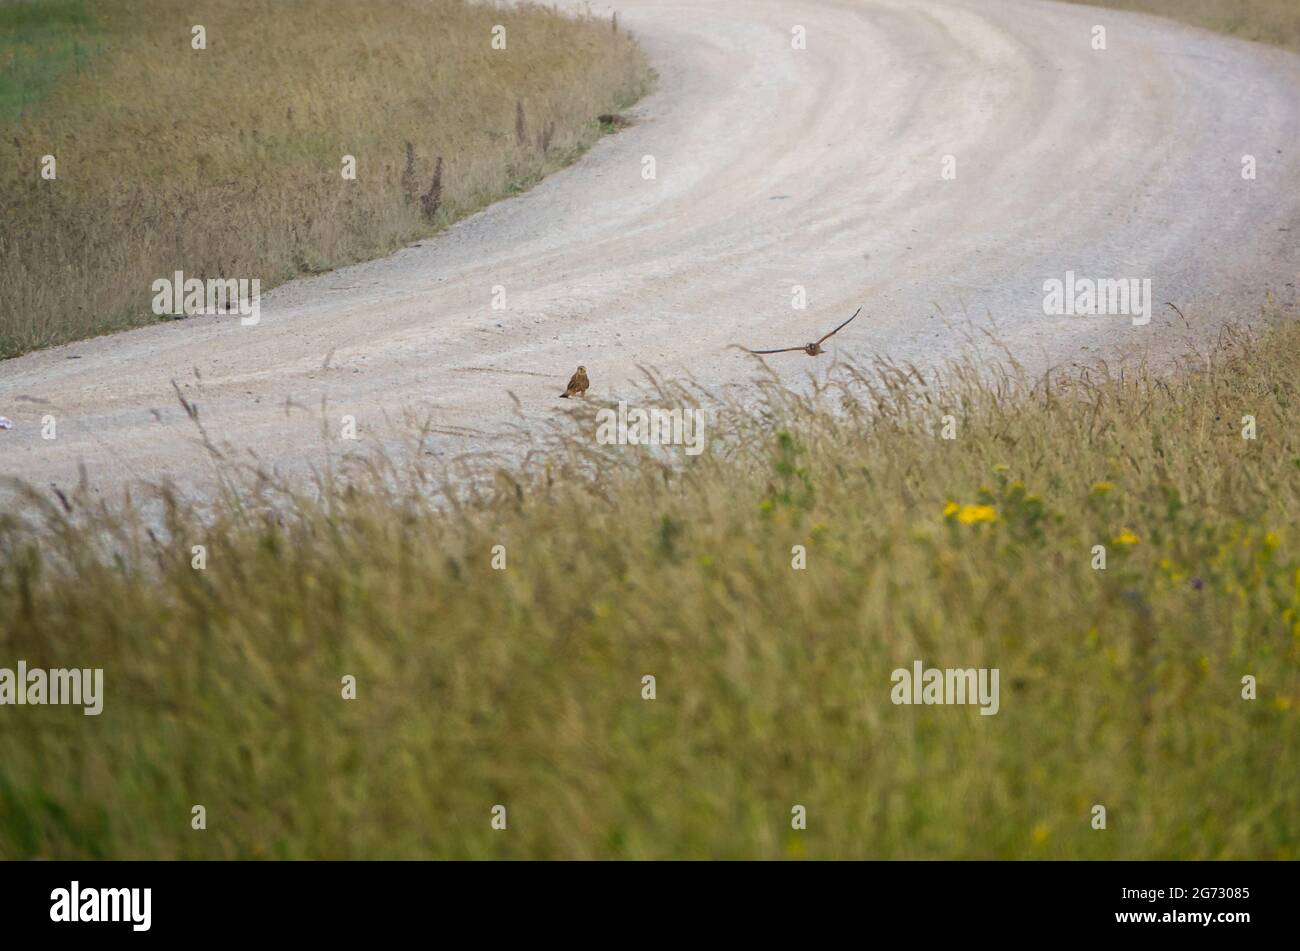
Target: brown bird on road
(578, 384)
(812, 349)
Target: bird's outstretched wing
(782, 350)
(839, 328)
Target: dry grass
(227, 162)
(523, 686)
(1266, 21)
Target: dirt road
(774, 167)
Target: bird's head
(582, 369)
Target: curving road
(775, 167)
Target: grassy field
(522, 687)
(38, 44)
(228, 161)
(1267, 21)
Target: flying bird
(578, 384)
(812, 349)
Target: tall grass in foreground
(523, 686)
(228, 162)
(1267, 21)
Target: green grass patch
(523, 686)
(40, 40)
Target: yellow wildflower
(1101, 488)
(974, 514)
(950, 509)
(1126, 538)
